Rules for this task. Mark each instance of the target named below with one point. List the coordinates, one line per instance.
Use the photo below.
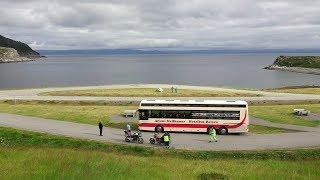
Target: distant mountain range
(146, 52)
(25, 51)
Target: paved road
(179, 140)
(32, 94)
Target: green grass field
(297, 90)
(146, 92)
(284, 113)
(87, 114)
(256, 129)
(90, 114)
(30, 155)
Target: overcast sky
(162, 24)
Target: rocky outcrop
(299, 64)
(11, 55)
(23, 49)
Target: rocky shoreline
(294, 69)
(16, 60)
(10, 55)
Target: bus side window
(143, 114)
(154, 114)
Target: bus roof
(218, 102)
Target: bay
(222, 70)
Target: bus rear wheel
(223, 131)
(158, 129)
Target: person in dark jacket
(100, 128)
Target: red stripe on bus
(239, 124)
(193, 125)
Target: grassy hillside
(31, 155)
(284, 114)
(298, 61)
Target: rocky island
(15, 51)
(299, 64)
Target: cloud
(175, 24)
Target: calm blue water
(236, 70)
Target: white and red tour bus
(194, 116)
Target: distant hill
(298, 61)
(23, 49)
(300, 64)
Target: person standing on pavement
(166, 139)
(100, 128)
(213, 135)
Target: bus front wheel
(223, 131)
(159, 129)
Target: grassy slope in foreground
(297, 90)
(89, 114)
(284, 113)
(147, 92)
(25, 154)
